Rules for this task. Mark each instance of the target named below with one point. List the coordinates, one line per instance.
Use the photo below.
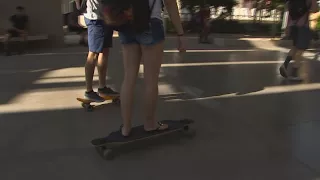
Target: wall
(44, 15)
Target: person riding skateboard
(99, 42)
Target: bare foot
(125, 131)
(158, 127)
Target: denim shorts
(150, 37)
(301, 37)
(99, 35)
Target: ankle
(150, 125)
(89, 91)
(102, 87)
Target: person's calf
(290, 57)
(102, 66)
(296, 73)
(151, 100)
(89, 69)
(6, 44)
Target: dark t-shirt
(204, 14)
(19, 22)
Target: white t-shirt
(93, 10)
(157, 9)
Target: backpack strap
(152, 6)
(83, 6)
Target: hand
(181, 44)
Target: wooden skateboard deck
(105, 145)
(89, 107)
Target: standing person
(99, 42)
(146, 47)
(299, 11)
(20, 26)
(204, 14)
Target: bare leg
(298, 58)
(292, 52)
(24, 42)
(132, 59)
(7, 38)
(152, 57)
(89, 68)
(102, 67)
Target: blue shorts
(99, 35)
(153, 36)
(301, 37)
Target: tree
(226, 4)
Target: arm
(314, 6)
(78, 4)
(172, 8)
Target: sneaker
(107, 92)
(294, 76)
(93, 96)
(283, 71)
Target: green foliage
(318, 25)
(228, 4)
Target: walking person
(300, 33)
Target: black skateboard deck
(105, 146)
(86, 104)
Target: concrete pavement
(250, 124)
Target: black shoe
(107, 92)
(93, 96)
(283, 71)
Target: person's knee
(292, 52)
(92, 57)
(299, 53)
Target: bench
(30, 38)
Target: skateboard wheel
(116, 101)
(88, 107)
(108, 154)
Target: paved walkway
(250, 124)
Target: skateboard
(105, 146)
(86, 104)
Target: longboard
(114, 140)
(86, 104)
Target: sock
(287, 61)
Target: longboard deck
(86, 103)
(138, 133)
(105, 146)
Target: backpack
(83, 6)
(136, 13)
(297, 8)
